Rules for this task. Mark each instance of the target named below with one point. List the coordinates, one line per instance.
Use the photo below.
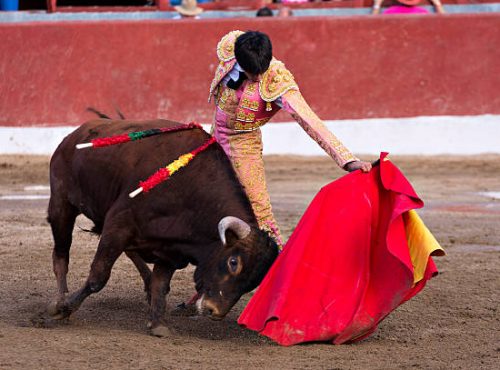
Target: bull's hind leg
(111, 246)
(160, 286)
(143, 269)
(61, 216)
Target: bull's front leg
(160, 286)
(109, 249)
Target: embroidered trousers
(244, 149)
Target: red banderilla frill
(164, 174)
(136, 135)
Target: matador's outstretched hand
(358, 165)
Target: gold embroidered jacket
(256, 105)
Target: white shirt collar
(234, 73)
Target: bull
(201, 215)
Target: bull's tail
(105, 116)
(96, 229)
(98, 113)
(120, 114)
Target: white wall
(419, 135)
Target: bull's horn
(239, 227)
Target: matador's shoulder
(225, 47)
(276, 81)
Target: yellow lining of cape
(421, 244)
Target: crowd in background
(190, 9)
(178, 2)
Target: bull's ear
(233, 225)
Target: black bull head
(236, 268)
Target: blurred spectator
(285, 11)
(178, 2)
(264, 12)
(406, 7)
(188, 9)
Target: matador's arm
(295, 104)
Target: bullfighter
(250, 86)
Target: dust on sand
(453, 323)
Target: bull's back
(96, 179)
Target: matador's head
(253, 51)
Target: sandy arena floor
(453, 324)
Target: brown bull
(183, 220)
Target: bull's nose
(210, 309)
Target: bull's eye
(234, 265)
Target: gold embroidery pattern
(250, 88)
(227, 100)
(240, 126)
(295, 104)
(276, 81)
(246, 156)
(225, 53)
(245, 117)
(249, 104)
(225, 47)
(261, 122)
(222, 70)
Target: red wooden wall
(347, 67)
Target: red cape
(346, 266)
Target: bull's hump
(113, 127)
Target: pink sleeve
(294, 103)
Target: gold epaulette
(276, 81)
(225, 47)
(225, 53)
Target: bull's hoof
(58, 310)
(40, 320)
(161, 331)
(184, 310)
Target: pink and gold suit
(240, 113)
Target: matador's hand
(358, 165)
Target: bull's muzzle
(208, 307)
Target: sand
(453, 324)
